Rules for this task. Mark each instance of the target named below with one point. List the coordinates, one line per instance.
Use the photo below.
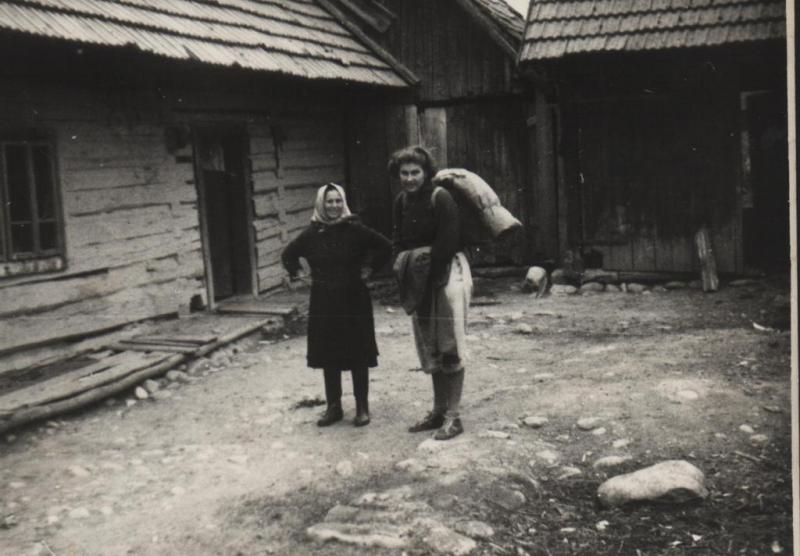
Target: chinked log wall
(130, 207)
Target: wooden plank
(161, 342)
(79, 380)
(150, 348)
(187, 339)
(708, 263)
(256, 309)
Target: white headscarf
(320, 216)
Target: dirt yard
(229, 461)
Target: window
(30, 216)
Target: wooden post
(708, 264)
(434, 133)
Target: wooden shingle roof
(558, 28)
(505, 17)
(292, 37)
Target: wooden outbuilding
(157, 155)
(469, 107)
(658, 118)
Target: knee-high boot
(361, 393)
(333, 395)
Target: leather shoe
(361, 419)
(431, 421)
(451, 428)
(333, 414)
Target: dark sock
(361, 388)
(455, 385)
(439, 393)
(333, 386)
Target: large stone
(670, 481)
(535, 278)
(636, 288)
(177, 376)
(507, 497)
(475, 529)
(611, 461)
(371, 535)
(612, 288)
(535, 421)
(675, 285)
(589, 423)
(151, 386)
(442, 540)
(592, 287)
(563, 289)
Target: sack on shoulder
(483, 218)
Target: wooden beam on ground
(256, 309)
(708, 263)
(172, 338)
(79, 380)
(130, 346)
(95, 394)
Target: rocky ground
(561, 393)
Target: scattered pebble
(569, 471)
(688, 394)
(500, 435)
(523, 328)
(78, 471)
(475, 529)
(611, 461)
(747, 429)
(621, 443)
(599, 432)
(141, 393)
(79, 513)
(588, 423)
(344, 468)
(759, 439)
(535, 421)
(601, 525)
(151, 385)
(548, 456)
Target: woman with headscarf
(435, 283)
(341, 329)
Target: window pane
(43, 174)
(17, 180)
(48, 236)
(21, 238)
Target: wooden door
(646, 174)
(766, 199)
(225, 206)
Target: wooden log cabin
(469, 107)
(157, 155)
(660, 118)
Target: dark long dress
(341, 329)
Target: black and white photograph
(398, 278)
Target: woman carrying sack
(435, 283)
(341, 329)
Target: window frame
(31, 140)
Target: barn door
(224, 206)
(765, 196)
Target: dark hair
(413, 155)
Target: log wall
(133, 248)
(132, 220)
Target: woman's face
(333, 204)
(412, 176)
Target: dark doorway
(221, 168)
(766, 194)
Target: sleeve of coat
(378, 246)
(290, 258)
(448, 234)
